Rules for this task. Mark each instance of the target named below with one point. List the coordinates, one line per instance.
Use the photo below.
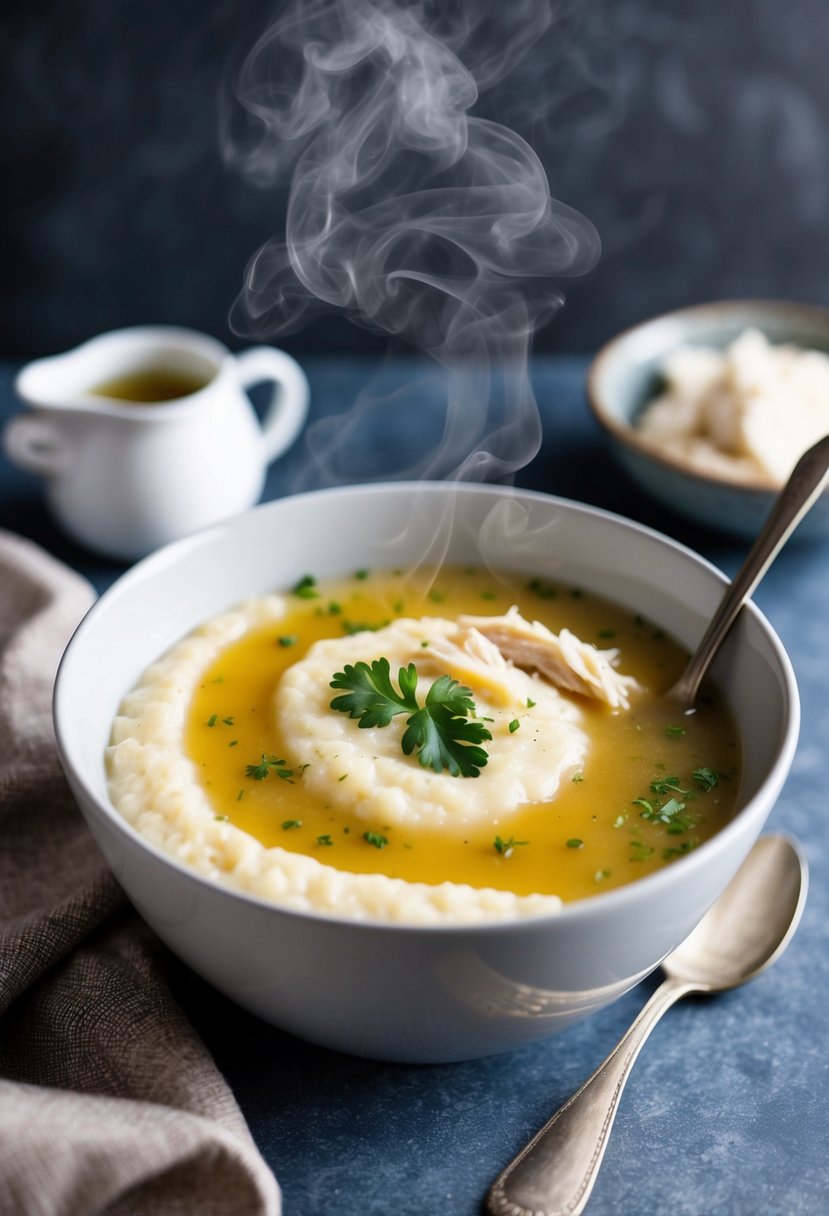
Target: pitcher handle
(35, 445)
(288, 407)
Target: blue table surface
(727, 1111)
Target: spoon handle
(804, 486)
(555, 1173)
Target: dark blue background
(693, 133)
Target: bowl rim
(625, 434)
(586, 908)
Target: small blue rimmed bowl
(627, 373)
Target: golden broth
(607, 826)
(150, 386)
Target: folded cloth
(109, 1102)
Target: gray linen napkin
(109, 1102)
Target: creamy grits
(229, 755)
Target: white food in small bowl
(723, 423)
(747, 412)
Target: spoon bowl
(743, 932)
(751, 923)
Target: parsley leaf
(506, 847)
(371, 696)
(706, 777)
(267, 765)
(440, 731)
(306, 588)
(668, 785)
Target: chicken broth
(653, 785)
(150, 386)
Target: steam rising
(406, 212)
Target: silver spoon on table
(743, 932)
(805, 485)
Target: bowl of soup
(394, 767)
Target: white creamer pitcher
(126, 476)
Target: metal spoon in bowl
(744, 931)
(805, 485)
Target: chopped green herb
(240, 795)
(505, 847)
(601, 875)
(352, 627)
(342, 777)
(437, 596)
(221, 818)
(288, 824)
(606, 633)
(361, 574)
(213, 719)
(335, 609)
(326, 839)
(268, 765)
(306, 588)
(620, 820)
(668, 785)
(287, 639)
(440, 731)
(674, 732)
(376, 839)
(228, 721)
(577, 777)
(706, 777)
(513, 726)
(233, 743)
(530, 703)
(669, 813)
(679, 850)
(488, 595)
(641, 851)
(542, 589)
(671, 808)
(575, 843)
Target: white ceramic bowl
(393, 991)
(626, 374)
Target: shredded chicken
(476, 661)
(561, 658)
